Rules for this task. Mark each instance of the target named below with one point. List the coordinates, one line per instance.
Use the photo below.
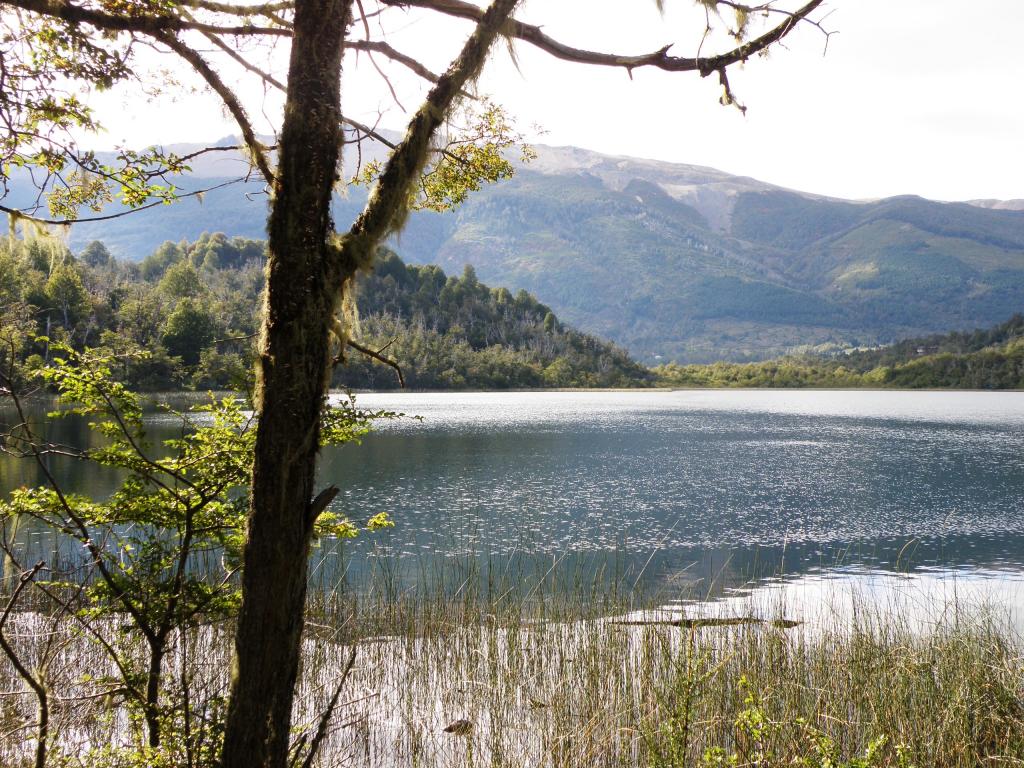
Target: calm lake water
(722, 496)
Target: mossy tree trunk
(306, 272)
(293, 369)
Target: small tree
(67, 294)
(147, 547)
(181, 281)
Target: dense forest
(982, 359)
(194, 308)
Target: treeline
(956, 343)
(982, 359)
(195, 308)
(192, 306)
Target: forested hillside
(456, 332)
(194, 308)
(982, 359)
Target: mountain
(695, 267)
(679, 262)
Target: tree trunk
(293, 370)
(152, 704)
(305, 275)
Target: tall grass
(546, 675)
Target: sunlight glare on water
(709, 488)
(683, 493)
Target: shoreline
(663, 389)
(151, 395)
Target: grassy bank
(562, 682)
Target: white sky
(912, 97)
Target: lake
(721, 497)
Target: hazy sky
(912, 96)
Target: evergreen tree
(95, 254)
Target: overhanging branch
(389, 201)
(21, 214)
(659, 59)
(150, 25)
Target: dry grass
(554, 681)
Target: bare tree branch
(325, 719)
(380, 358)
(37, 685)
(262, 9)
(371, 132)
(393, 54)
(275, 83)
(381, 72)
(244, 63)
(65, 222)
(231, 101)
(150, 25)
(659, 59)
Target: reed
(544, 674)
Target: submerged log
(697, 623)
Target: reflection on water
(679, 493)
(825, 600)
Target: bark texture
(293, 367)
(306, 273)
